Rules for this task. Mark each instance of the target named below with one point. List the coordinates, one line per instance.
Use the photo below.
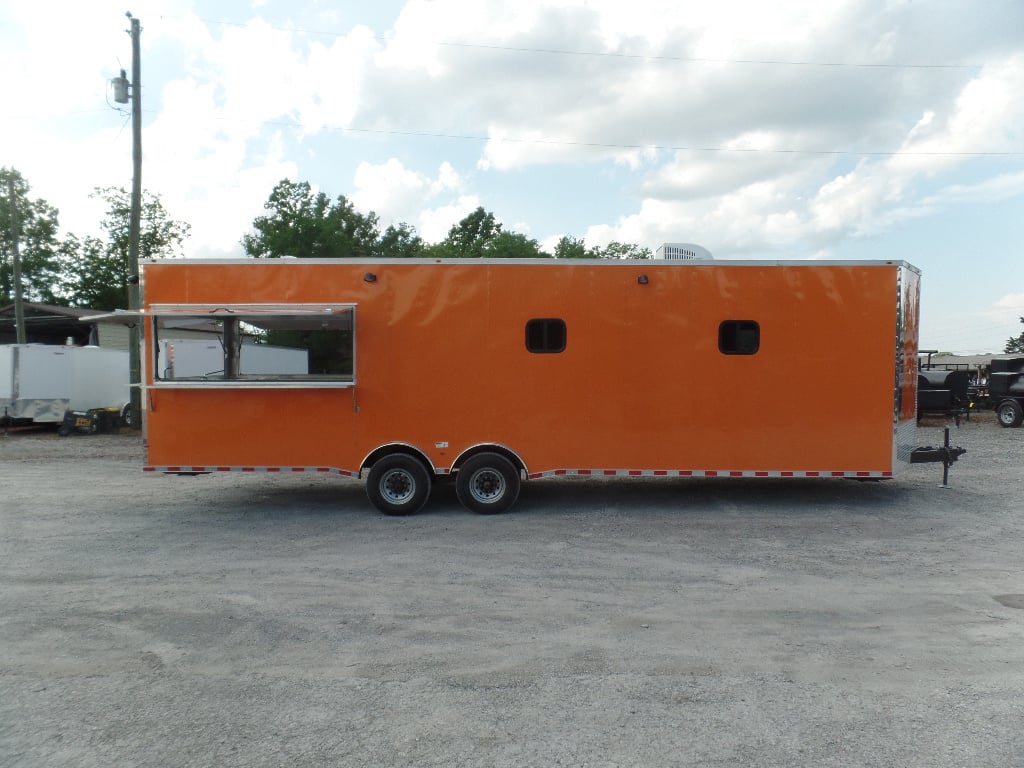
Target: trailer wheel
(487, 483)
(1010, 413)
(398, 485)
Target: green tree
(38, 246)
(95, 274)
(1015, 345)
(513, 245)
(470, 238)
(575, 248)
(401, 242)
(91, 277)
(160, 236)
(571, 248)
(305, 225)
(617, 250)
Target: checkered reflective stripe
(279, 470)
(703, 473)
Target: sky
(792, 129)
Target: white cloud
(737, 199)
(986, 117)
(236, 191)
(397, 194)
(847, 202)
(434, 223)
(82, 41)
(1001, 187)
(1011, 301)
(787, 190)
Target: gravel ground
(253, 621)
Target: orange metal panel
(442, 365)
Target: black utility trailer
(1006, 391)
(944, 392)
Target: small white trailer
(40, 382)
(204, 358)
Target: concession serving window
(293, 345)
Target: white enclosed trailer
(39, 382)
(202, 358)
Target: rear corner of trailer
(908, 283)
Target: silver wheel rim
(1006, 415)
(487, 485)
(397, 486)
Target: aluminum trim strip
(249, 384)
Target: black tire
(398, 485)
(487, 484)
(1010, 413)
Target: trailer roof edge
(610, 263)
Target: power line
(706, 60)
(616, 54)
(656, 147)
(634, 146)
(585, 144)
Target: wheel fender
(389, 448)
(504, 450)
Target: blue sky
(797, 129)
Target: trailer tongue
(946, 454)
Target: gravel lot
(252, 621)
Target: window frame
(545, 348)
(244, 313)
(737, 327)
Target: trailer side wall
(641, 384)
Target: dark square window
(739, 337)
(545, 335)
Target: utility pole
(19, 304)
(122, 94)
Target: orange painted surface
(441, 359)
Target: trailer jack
(946, 454)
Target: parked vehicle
(1006, 391)
(200, 358)
(40, 382)
(491, 372)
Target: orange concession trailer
(496, 371)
